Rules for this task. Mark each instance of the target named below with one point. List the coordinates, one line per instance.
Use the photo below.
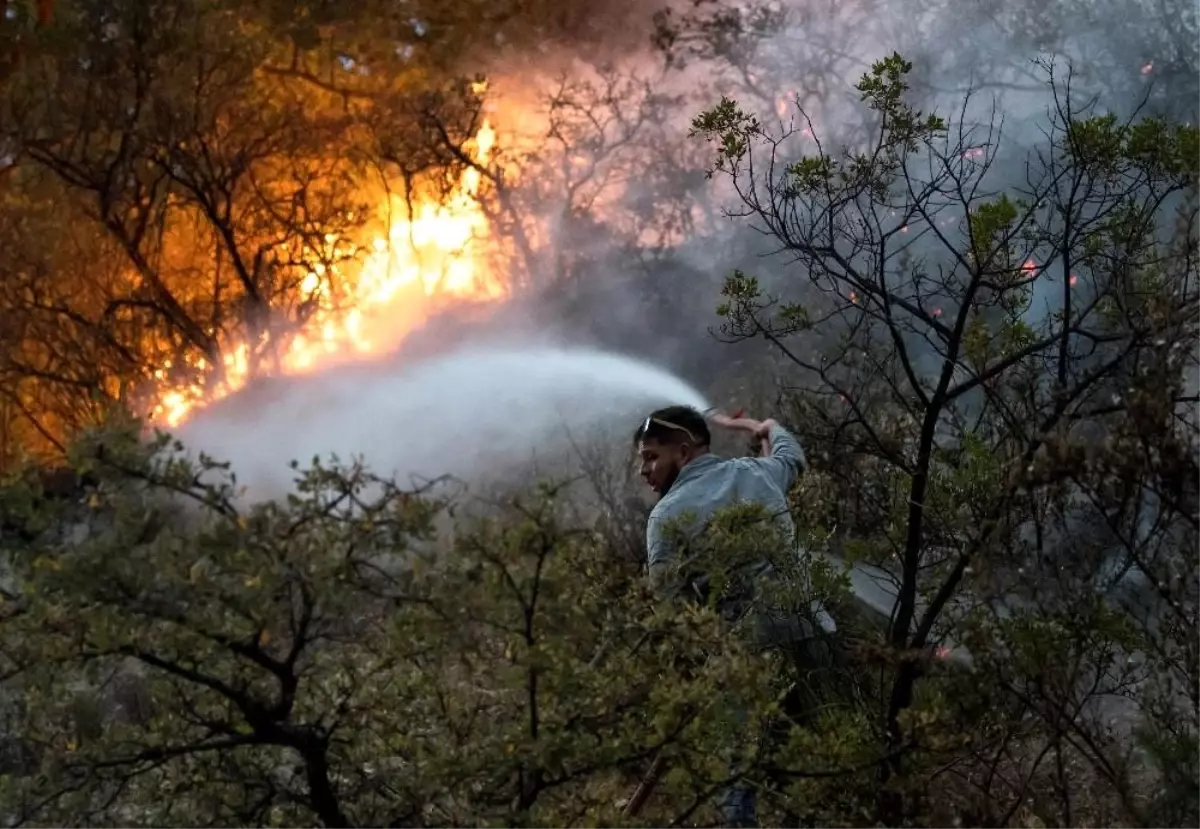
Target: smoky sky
(1123, 56)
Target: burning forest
(326, 325)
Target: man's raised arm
(786, 460)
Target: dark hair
(674, 424)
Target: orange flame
(428, 252)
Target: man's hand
(758, 428)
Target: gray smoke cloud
(618, 165)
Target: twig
(649, 782)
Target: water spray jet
(471, 414)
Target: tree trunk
(45, 12)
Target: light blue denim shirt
(710, 483)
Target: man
(676, 462)
(693, 485)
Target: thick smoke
(628, 241)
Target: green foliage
(333, 659)
(731, 128)
(883, 89)
(991, 225)
(905, 130)
(742, 290)
(812, 174)
(1177, 757)
(968, 363)
(1151, 145)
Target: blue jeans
(738, 804)
(738, 807)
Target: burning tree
(285, 186)
(238, 197)
(1003, 365)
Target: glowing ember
(429, 252)
(1073, 279)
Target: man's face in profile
(661, 462)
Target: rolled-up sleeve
(786, 461)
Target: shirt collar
(695, 467)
